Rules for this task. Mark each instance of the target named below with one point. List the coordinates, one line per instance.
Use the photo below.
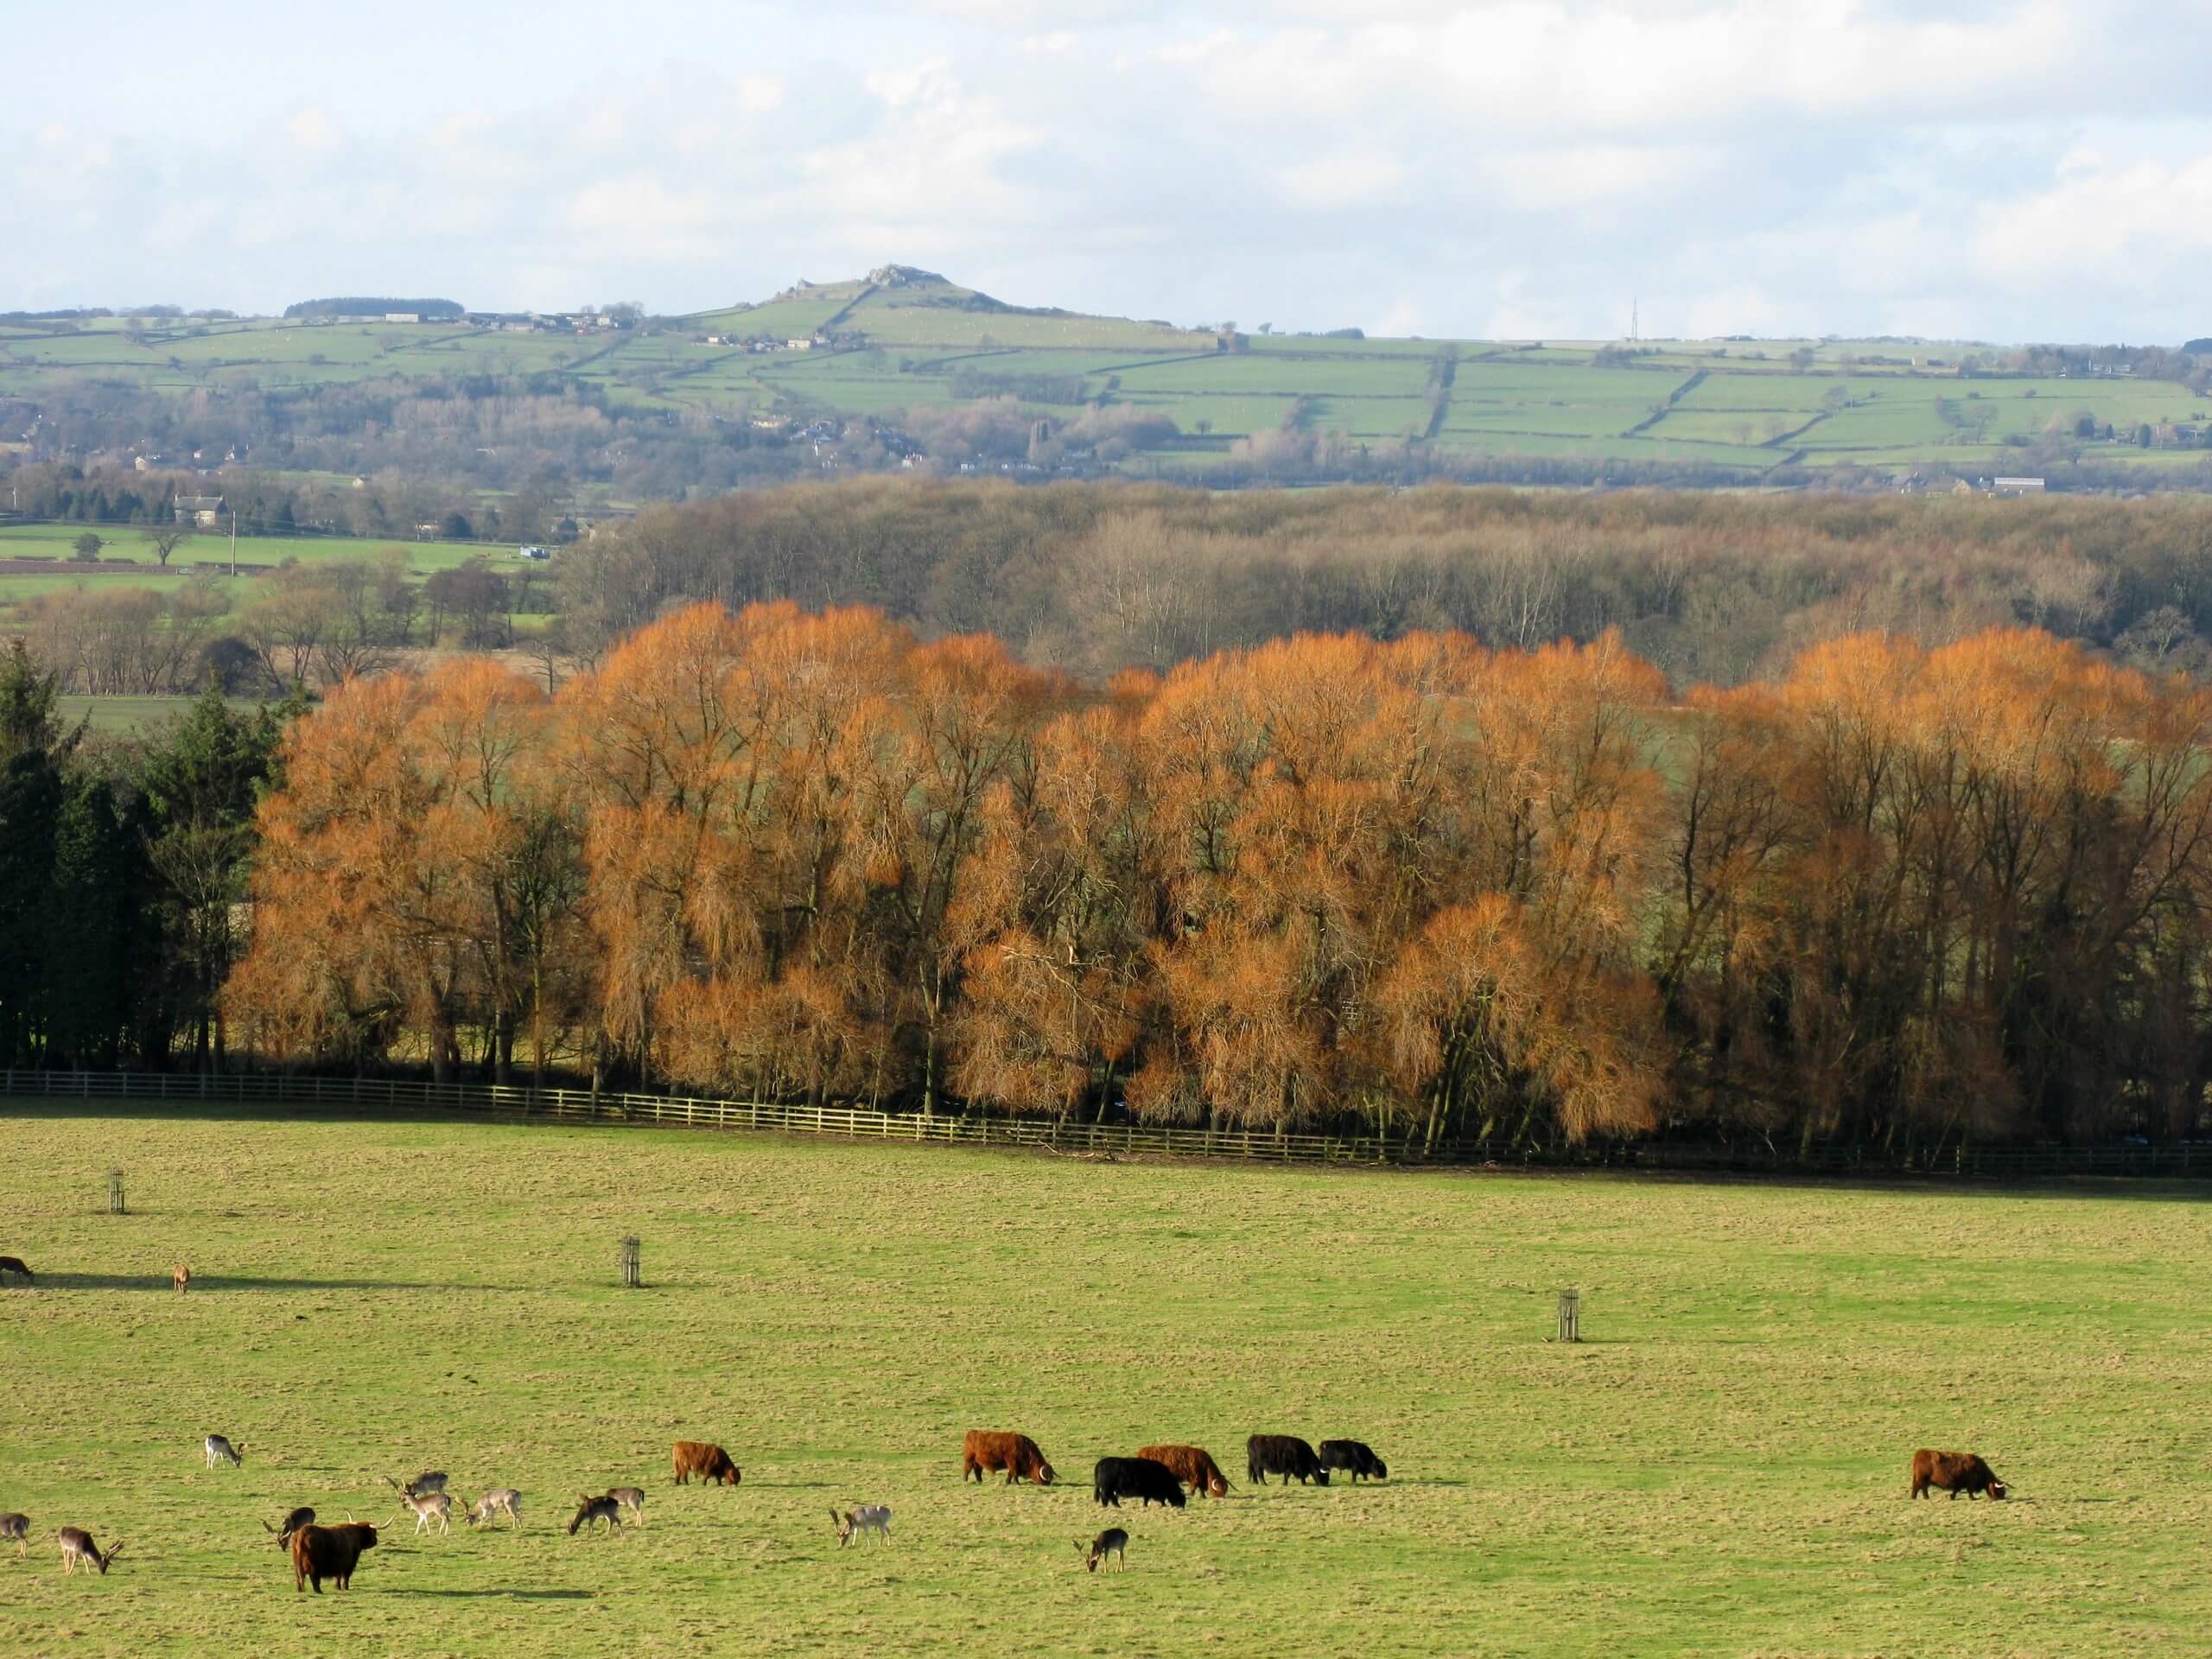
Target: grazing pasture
(1722, 1466)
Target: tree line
(1092, 578)
(1898, 895)
(123, 869)
(300, 625)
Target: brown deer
(17, 1527)
(590, 1510)
(303, 1516)
(78, 1547)
(180, 1278)
(1113, 1541)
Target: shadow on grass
(203, 1284)
(233, 1111)
(2162, 1187)
(496, 1595)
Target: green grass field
(127, 559)
(134, 714)
(1719, 1468)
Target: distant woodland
(1713, 588)
(1093, 578)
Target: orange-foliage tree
(413, 885)
(1924, 894)
(1903, 895)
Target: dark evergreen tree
(202, 781)
(31, 748)
(93, 907)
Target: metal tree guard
(1570, 1316)
(631, 1277)
(115, 1192)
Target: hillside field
(1736, 410)
(1720, 1468)
(128, 561)
(128, 558)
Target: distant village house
(199, 511)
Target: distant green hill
(936, 368)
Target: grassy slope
(1510, 399)
(127, 559)
(134, 714)
(1721, 1470)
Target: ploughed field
(1720, 1467)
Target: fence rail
(581, 1106)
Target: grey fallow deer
(430, 1480)
(426, 1508)
(219, 1450)
(500, 1500)
(1113, 1541)
(17, 1527)
(78, 1550)
(632, 1500)
(869, 1517)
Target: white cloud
(1581, 175)
(1346, 181)
(1510, 167)
(2139, 228)
(313, 130)
(1405, 317)
(647, 216)
(758, 94)
(1204, 49)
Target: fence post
(631, 1277)
(115, 1192)
(1570, 1316)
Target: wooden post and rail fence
(371, 1095)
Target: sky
(2032, 170)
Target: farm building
(2016, 487)
(201, 510)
